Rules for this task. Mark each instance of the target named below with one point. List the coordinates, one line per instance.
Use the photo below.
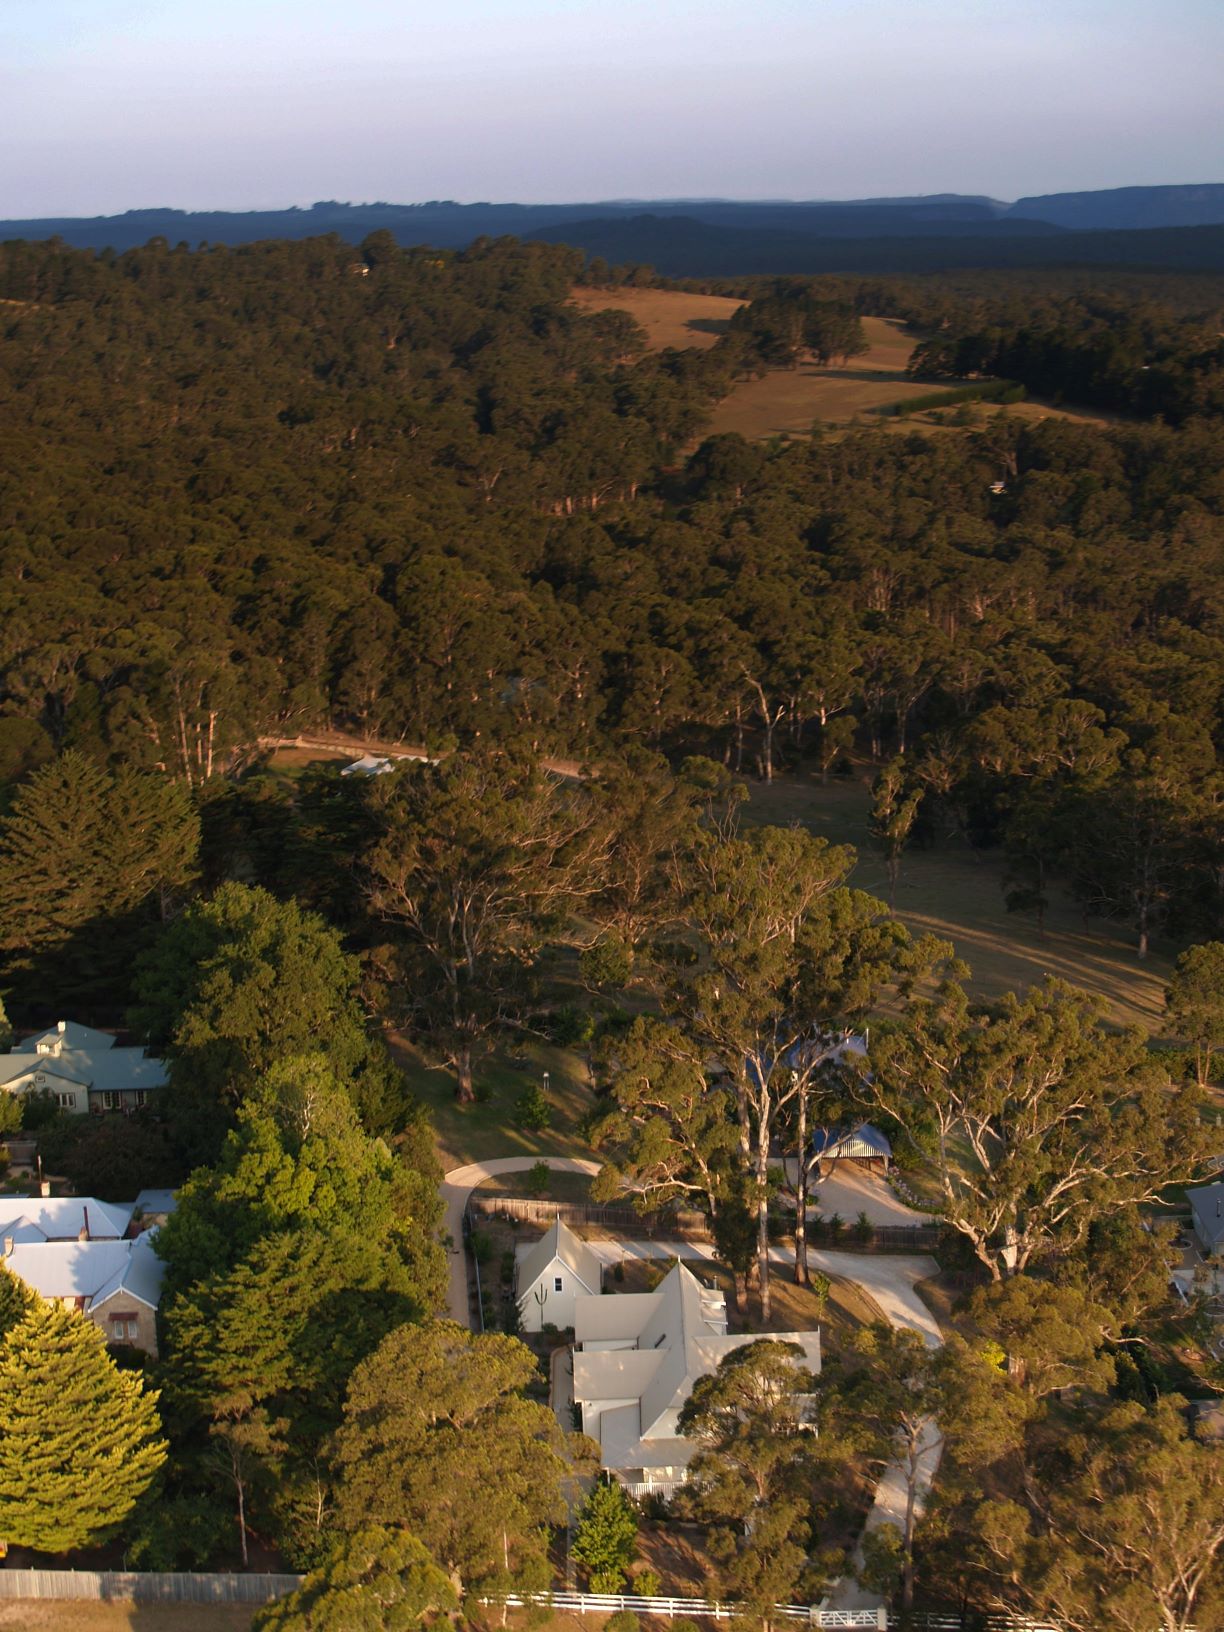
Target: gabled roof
(62, 1218)
(103, 1070)
(863, 1140)
(561, 1243)
(671, 1337)
(93, 1270)
(1207, 1205)
(66, 1036)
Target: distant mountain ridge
(701, 237)
(1127, 208)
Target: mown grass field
(957, 894)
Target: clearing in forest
(956, 893)
(788, 401)
(670, 317)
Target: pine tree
(607, 1536)
(80, 1440)
(89, 863)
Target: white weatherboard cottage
(82, 1070)
(551, 1274)
(637, 1357)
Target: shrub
(571, 1027)
(532, 1111)
(606, 1539)
(836, 1225)
(646, 1583)
(862, 1229)
(623, 1621)
(537, 1177)
(820, 1286)
(482, 1246)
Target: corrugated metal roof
(851, 1143)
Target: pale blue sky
(107, 105)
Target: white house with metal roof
(82, 1069)
(637, 1357)
(550, 1274)
(112, 1279)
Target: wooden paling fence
(589, 1212)
(687, 1225)
(147, 1586)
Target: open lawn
(73, 1615)
(957, 893)
(471, 1133)
(670, 317)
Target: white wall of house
(549, 1299)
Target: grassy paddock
(670, 317)
(957, 893)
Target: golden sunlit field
(788, 401)
(670, 317)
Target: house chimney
(44, 1187)
(8, 1246)
(61, 1026)
(84, 1232)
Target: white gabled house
(549, 1276)
(82, 1070)
(637, 1357)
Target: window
(123, 1328)
(140, 1097)
(66, 1102)
(111, 1101)
(558, 1285)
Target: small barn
(863, 1145)
(550, 1274)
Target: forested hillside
(418, 495)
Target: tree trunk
(242, 1529)
(762, 1178)
(801, 1195)
(465, 1092)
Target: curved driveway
(458, 1185)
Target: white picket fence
(607, 1603)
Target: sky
(108, 105)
